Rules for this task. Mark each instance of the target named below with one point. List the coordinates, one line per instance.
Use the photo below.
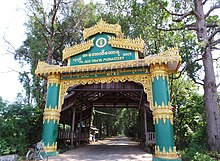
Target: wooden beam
(73, 126)
(145, 125)
(108, 90)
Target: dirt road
(111, 149)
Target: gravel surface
(117, 148)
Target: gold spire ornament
(101, 27)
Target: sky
(12, 28)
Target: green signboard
(107, 73)
(102, 52)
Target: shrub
(20, 126)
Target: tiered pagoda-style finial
(101, 27)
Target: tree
(207, 29)
(160, 28)
(112, 122)
(189, 112)
(20, 127)
(180, 24)
(50, 28)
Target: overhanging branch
(184, 16)
(9, 43)
(195, 81)
(170, 29)
(212, 9)
(184, 68)
(216, 59)
(181, 16)
(216, 42)
(213, 34)
(189, 27)
(180, 73)
(215, 48)
(171, 13)
(204, 2)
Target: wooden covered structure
(81, 99)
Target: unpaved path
(113, 149)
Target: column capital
(159, 70)
(51, 114)
(53, 79)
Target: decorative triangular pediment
(104, 43)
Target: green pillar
(162, 115)
(51, 115)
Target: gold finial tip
(101, 27)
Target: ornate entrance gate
(106, 57)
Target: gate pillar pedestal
(166, 159)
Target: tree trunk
(210, 88)
(50, 52)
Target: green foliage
(197, 145)
(129, 121)
(20, 127)
(198, 153)
(190, 121)
(45, 36)
(125, 122)
(6, 149)
(155, 26)
(189, 112)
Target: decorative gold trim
(53, 79)
(68, 61)
(169, 56)
(162, 112)
(171, 154)
(159, 70)
(52, 148)
(76, 49)
(101, 27)
(44, 68)
(136, 55)
(51, 114)
(133, 44)
(170, 52)
(42, 65)
(105, 73)
(144, 79)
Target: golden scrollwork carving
(42, 65)
(53, 79)
(171, 154)
(133, 44)
(144, 79)
(167, 57)
(101, 27)
(162, 113)
(170, 52)
(52, 148)
(76, 49)
(51, 114)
